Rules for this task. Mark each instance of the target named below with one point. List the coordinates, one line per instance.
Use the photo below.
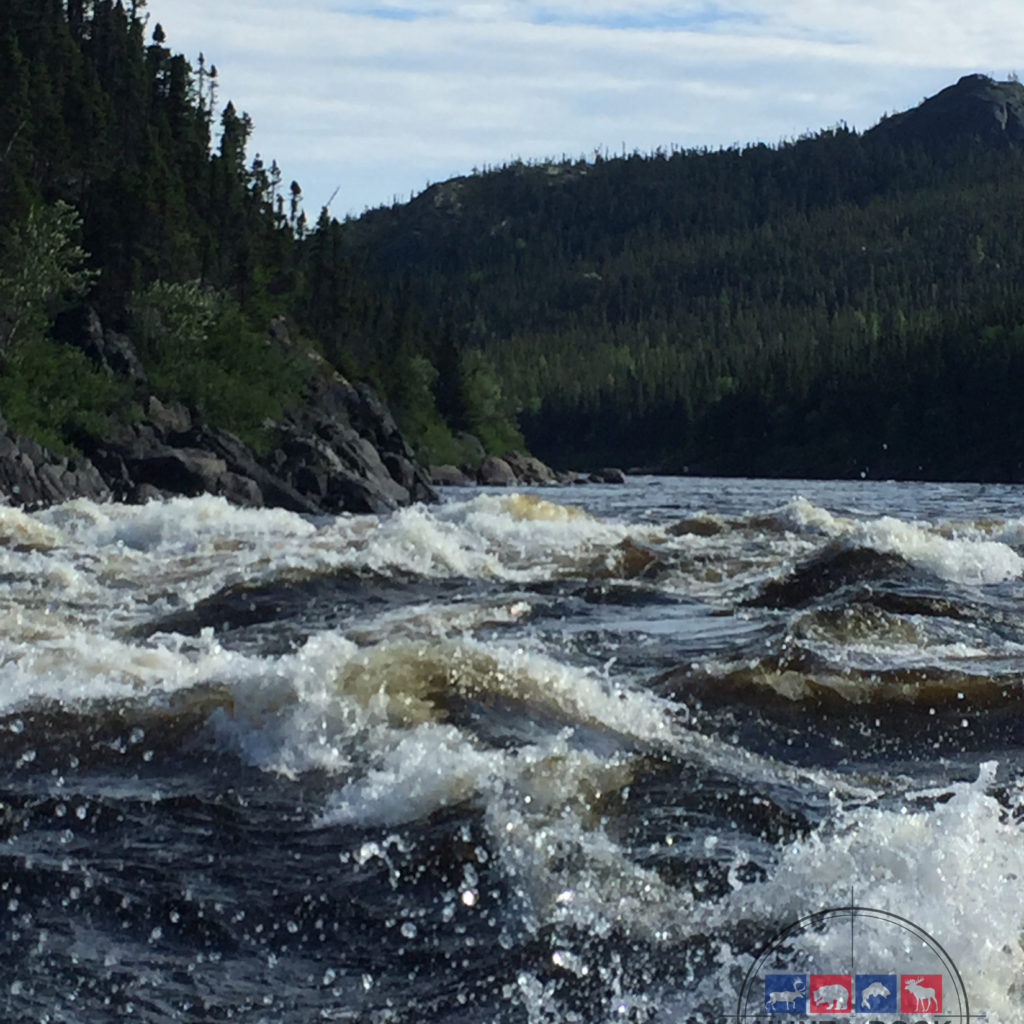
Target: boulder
(169, 419)
(529, 470)
(608, 475)
(344, 443)
(569, 477)
(31, 475)
(495, 472)
(472, 446)
(449, 476)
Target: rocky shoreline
(515, 470)
(341, 451)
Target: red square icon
(920, 993)
(830, 993)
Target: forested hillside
(129, 197)
(841, 304)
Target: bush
(200, 349)
(55, 395)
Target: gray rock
(473, 446)
(529, 470)
(449, 476)
(974, 107)
(495, 472)
(240, 490)
(31, 476)
(188, 471)
(169, 419)
(105, 348)
(608, 475)
(340, 452)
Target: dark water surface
(563, 756)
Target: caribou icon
(925, 997)
(788, 998)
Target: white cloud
(382, 97)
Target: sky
(371, 102)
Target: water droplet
(366, 851)
(329, 975)
(137, 735)
(409, 930)
(367, 982)
(81, 812)
(469, 897)
(292, 927)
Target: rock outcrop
(976, 106)
(340, 452)
(30, 475)
(343, 449)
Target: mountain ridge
(737, 310)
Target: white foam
(174, 526)
(955, 869)
(971, 558)
(428, 768)
(76, 666)
(962, 560)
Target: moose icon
(924, 997)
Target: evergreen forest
(839, 305)
(842, 304)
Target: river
(566, 755)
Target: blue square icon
(877, 993)
(785, 993)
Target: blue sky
(381, 99)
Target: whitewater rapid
(530, 756)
